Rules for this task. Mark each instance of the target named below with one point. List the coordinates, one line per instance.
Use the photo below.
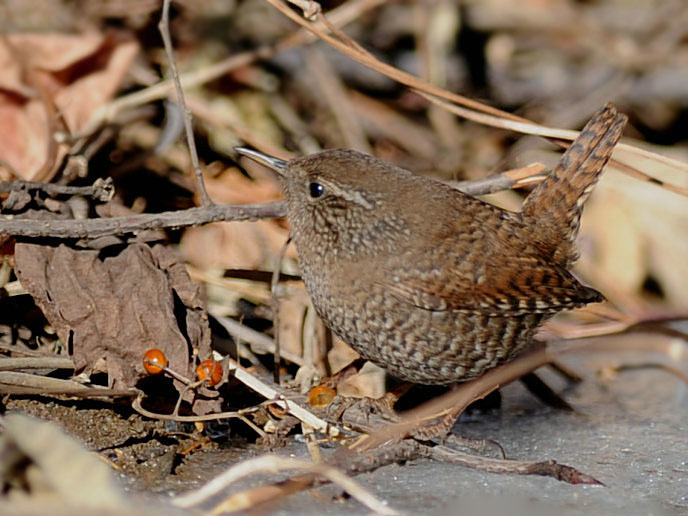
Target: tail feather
(552, 210)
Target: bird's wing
(524, 285)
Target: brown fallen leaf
(234, 246)
(110, 309)
(49, 79)
(237, 246)
(232, 187)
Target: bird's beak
(276, 164)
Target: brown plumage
(432, 284)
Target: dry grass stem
(255, 338)
(274, 301)
(13, 382)
(276, 397)
(275, 464)
(342, 15)
(13, 364)
(164, 27)
(467, 108)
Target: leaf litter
(106, 304)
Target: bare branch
(96, 228)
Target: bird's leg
(383, 406)
(439, 429)
(544, 392)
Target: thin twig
(332, 91)
(383, 120)
(548, 468)
(341, 15)
(521, 177)
(527, 127)
(258, 275)
(264, 343)
(14, 364)
(655, 365)
(136, 405)
(13, 382)
(164, 27)
(621, 323)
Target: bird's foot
(441, 431)
(475, 444)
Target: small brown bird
(431, 284)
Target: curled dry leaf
(51, 79)
(109, 310)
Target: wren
(431, 284)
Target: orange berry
(154, 360)
(321, 396)
(211, 371)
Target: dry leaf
(109, 310)
(237, 246)
(634, 230)
(52, 79)
(234, 246)
(369, 382)
(341, 355)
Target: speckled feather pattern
(431, 284)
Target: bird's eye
(316, 190)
